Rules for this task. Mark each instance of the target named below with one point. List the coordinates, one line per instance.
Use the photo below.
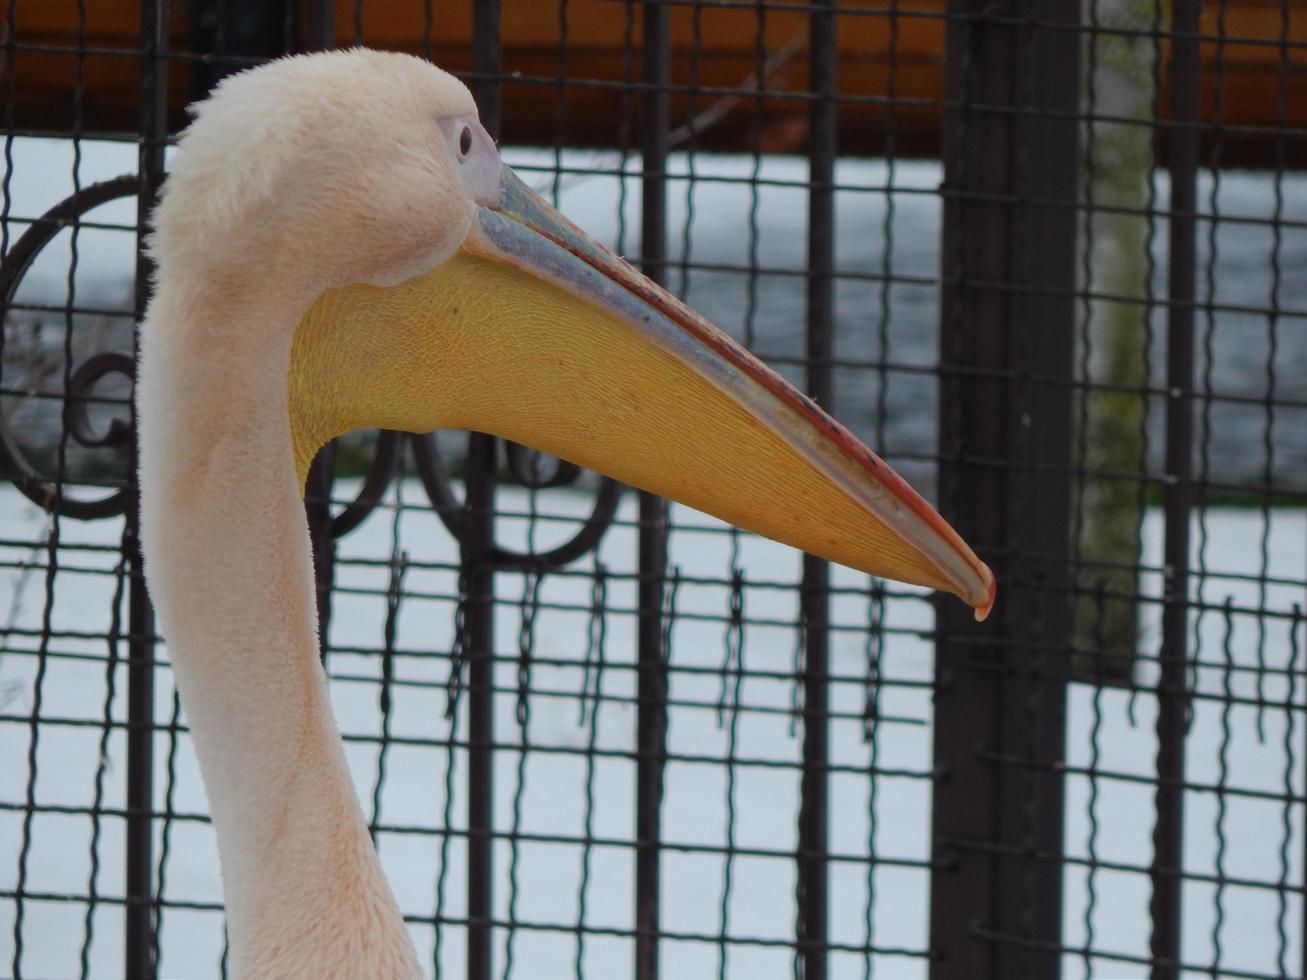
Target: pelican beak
(535, 332)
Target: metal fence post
(479, 588)
(652, 721)
(1172, 693)
(1007, 324)
(139, 942)
(319, 25)
(815, 590)
(317, 506)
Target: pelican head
(338, 245)
(436, 290)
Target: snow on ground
(553, 801)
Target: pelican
(339, 246)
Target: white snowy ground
(765, 799)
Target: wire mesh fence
(1046, 258)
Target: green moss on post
(1112, 495)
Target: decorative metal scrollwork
(521, 459)
(381, 471)
(118, 433)
(528, 467)
(14, 463)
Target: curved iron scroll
(435, 479)
(523, 463)
(13, 463)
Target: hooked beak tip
(982, 612)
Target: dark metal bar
(651, 722)
(139, 941)
(1006, 399)
(478, 639)
(814, 597)
(319, 25)
(487, 54)
(317, 507)
(1172, 700)
(1294, 647)
(1040, 416)
(479, 590)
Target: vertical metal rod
(651, 728)
(139, 940)
(1173, 701)
(479, 588)
(1005, 446)
(317, 506)
(319, 25)
(1294, 669)
(651, 723)
(815, 590)
(479, 638)
(1294, 625)
(486, 57)
(967, 794)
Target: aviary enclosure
(1050, 259)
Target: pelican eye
(465, 141)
